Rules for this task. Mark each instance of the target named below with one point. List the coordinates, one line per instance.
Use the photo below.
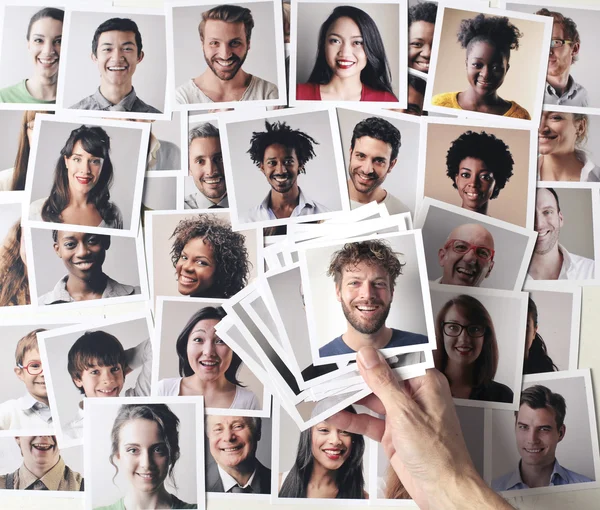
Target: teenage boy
(31, 411)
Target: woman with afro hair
(488, 41)
(479, 165)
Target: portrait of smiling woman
(351, 63)
(44, 37)
(82, 178)
(421, 24)
(207, 365)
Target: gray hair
(205, 130)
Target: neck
(459, 375)
(40, 471)
(559, 82)
(211, 81)
(477, 100)
(290, 198)
(546, 266)
(378, 340)
(321, 476)
(481, 210)
(242, 472)
(136, 500)
(215, 200)
(43, 400)
(536, 476)
(560, 167)
(209, 388)
(115, 93)
(42, 87)
(345, 89)
(95, 284)
(378, 194)
(78, 199)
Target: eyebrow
(197, 256)
(130, 43)
(351, 37)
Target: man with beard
(373, 154)
(225, 33)
(43, 468)
(206, 168)
(551, 260)
(561, 88)
(365, 275)
(282, 153)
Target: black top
(492, 392)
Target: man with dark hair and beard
(365, 275)
(225, 33)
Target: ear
(56, 250)
(338, 292)
(78, 383)
(392, 165)
(507, 67)
(575, 50)
(141, 57)
(441, 256)
(561, 432)
(19, 373)
(94, 57)
(66, 159)
(262, 168)
(560, 218)
(490, 270)
(106, 243)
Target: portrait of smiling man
(225, 32)
(365, 275)
(539, 427)
(232, 442)
(117, 51)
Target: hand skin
(421, 436)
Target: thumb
(379, 377)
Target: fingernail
(369, 357)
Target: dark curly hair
(229, 248)
(376, 252)
(423, 11)
(569, 26)
(380, 129)
(283, 134)
(486, 147)
(496, 30)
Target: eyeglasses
(455, 329)
(464, 247)
(559, 43)
(33, 367)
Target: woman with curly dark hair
(14, 285)
(329, 464)
(421, 24)
(536, 358)
(82, 179)
(479, 165)
(209, 258)
(488, 41)
(351, 64)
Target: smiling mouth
(366, 178)
(473, 195)
(281, 177)
(209, 363)
(544, 138)
(232, 449)
(83, 265)
(84, 180)
(147, 476)
(48, 62)
(186, 280)
(543, 233)
(226, 64)
(212, 181)
(117, 69)
(464, 350)
(465, 272)
(334, 453)
(43, 447)
(344, 64)
(424, 64)
(108, 393)
(533, 450)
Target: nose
(543, 124)
(538, 221)
(366, 290)
(426, 51)
(145, 459)
(532, 436)
(470, 256)
(82, 250)
(108, 377)
(48, 47)
(208, 349)
(334, 437)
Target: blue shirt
(560, 476)
(399, 339)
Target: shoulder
(18, 93)
(369, 94)
(573, 476)
(116, 289)
(493, 392)
(449, 99)
(87, 103)
(336, 346)
(244, 399)
(308, 91)
(143, 107)
(584, 267)
(35, 209)
(117, 221)
(169, 387)
(516, 111)
(117, 505)
(401, 338)
(263, 89)
(189, 93)
(500, 483)
(394, 205)
(177, 503)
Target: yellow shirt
(450, 100)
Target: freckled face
(475, 183)
(344, 48)
(330, 446)
(486, 68)
(420, 40)
(196, 268)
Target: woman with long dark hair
(14, 285)
(467, 351)
(536, 360)
(329, 464)
(82, 178)
(207, 365)
(351, 64)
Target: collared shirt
(560, 476)
(24, 413)
(229, 482)
(60, 478)
(130, 103)
(197, 200)
(60, 294)
(163, 155)
(263, 212)
(574, 267)
(574, 95)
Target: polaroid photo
(268, 181)
(581, 137)
(497, 256)
(480, 342)
(168, 140)
(14, 277)
(555, 435)
(575, 38)
(161, 192)
(553, 324)
(63, 469)
(24, 407)
(512, 92)
(204, 185)
(480, 166)
(184, 261)
(324, 32)
(98, 359)
(114, 43)
(189, 347)
(244, 474)
(83, 269)
(352, 301)
(170, 429)
(300, 453)
(252, 69)
(566, 247)
(381, 152)
(109, 182)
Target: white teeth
(465, 271)
(225, 63)
(186, 279)
(234, 449)
(367, 308)
(209, 363)
(119, 68)
(533, 451)
(333, 452)
(213, 181)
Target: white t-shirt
(244, 399)
(6, 177)
(259, 89)
(392, 204)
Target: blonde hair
(27, 343)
